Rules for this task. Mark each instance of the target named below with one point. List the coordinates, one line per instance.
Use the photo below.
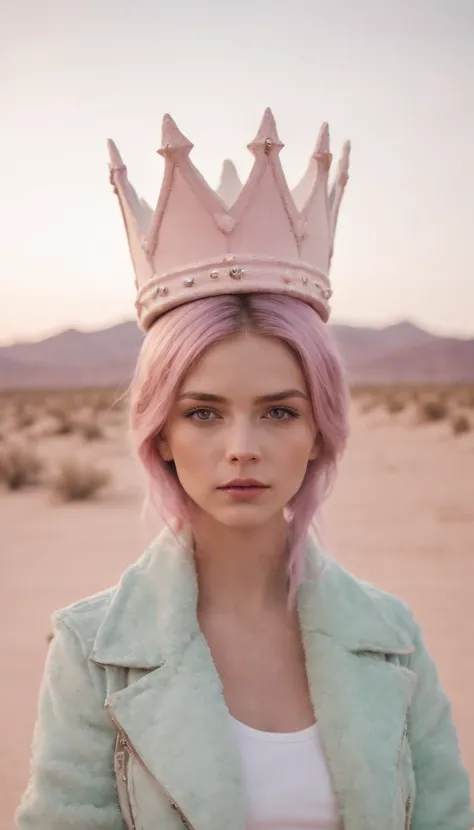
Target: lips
(243, 485)
(243, 490)
(235, 488)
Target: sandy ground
(401, 515)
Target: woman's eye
(200, 414)
(283, 413)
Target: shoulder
(85, 616)
(84, 619)
(360, 613)
(386, 600)
(362, 590)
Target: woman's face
(243, 413)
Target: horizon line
(20, 340)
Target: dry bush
(465, 397)
(357, 392)
(78, 481)
(90, 430)
(413, 396)
(25, 417)
(434, 409)
(395, 404)
(369, 403)
(101, 401)
(460, 424)
(67, 424)
(64, 420)
(20, 466)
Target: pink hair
(178, 339)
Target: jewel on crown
(255, 237)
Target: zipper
(125, 742)
(120, 766)
(409, 813)
(404, 734)
(408, 803)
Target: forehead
(246, 363)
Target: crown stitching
(161, 205)
(201, 188)
(197, 183)
(321, 182)
(289, 205)
(244, 199)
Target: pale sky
(394, 76)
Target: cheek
(190, 447)
(297, 444)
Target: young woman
(238, 677)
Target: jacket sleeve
(442, 784)
(72, 780)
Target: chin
(243, 517)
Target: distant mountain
(443, 360)
(401, 353)
(360, 345)
(73, 348)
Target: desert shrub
(90, 430)
(26, 416)
(369, 404)
(101, 402)
(460, 424)
(64, 420)
(434, 409)
(465, 398)
(78, 481)
(20, 466)
(395, 404)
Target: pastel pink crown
(256, 238)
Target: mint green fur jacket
(133, 730)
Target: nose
(243, 444)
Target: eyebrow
(207, 397)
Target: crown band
(232, 274)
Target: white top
(286, 780)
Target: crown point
(268, 121)
(321, 151)
(346, 151)
(267, 137)
(230, 184)
(116, 162)
(229, 171)
(343, 164)
(172, 139)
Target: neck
(240, 570)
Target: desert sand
(401, 515)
